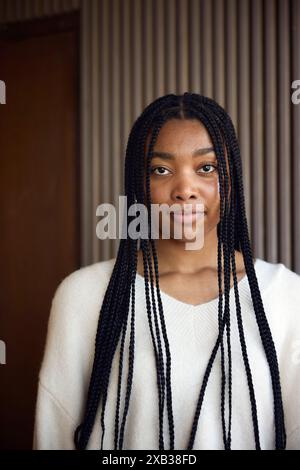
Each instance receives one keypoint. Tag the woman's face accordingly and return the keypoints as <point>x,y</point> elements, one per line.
<point>184,171</point>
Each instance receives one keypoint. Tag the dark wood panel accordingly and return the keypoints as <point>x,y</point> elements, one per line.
<point>39,204</point>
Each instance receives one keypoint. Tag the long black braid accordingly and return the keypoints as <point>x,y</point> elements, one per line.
<point>232,231</point>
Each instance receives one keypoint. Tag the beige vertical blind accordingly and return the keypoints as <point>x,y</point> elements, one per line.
<point>245,54</point>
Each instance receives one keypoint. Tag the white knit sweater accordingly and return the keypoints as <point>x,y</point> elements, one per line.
<point>192,331</point>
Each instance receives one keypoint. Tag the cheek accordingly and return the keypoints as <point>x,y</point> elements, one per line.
<point>211,193</point>
<point>158,192</point>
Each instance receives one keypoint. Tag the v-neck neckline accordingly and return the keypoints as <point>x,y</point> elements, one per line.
<point>242,286</point>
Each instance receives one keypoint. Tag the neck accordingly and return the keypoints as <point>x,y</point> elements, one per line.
<point>174,258</point>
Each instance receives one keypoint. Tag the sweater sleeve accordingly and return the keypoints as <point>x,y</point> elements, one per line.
<point>293,440</point>
<point>52,423</point>
<point>53,426</point>
<point>68,356</point>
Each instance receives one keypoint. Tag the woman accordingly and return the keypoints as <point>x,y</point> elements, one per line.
<point>209,359</point>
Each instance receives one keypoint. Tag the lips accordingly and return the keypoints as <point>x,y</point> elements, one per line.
<point>187,209</point>
<point>194,211</point>
<point>187,217</point>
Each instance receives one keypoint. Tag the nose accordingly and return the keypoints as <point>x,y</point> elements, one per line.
<point>185,196</point>
<point>185,190</point>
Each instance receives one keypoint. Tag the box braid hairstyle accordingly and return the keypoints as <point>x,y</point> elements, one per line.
<point>232,231</point>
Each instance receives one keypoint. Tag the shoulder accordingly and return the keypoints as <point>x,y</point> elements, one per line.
<point>85,283</point>
<point>87,275</point>
<point>77,302</point>
<point>280,291</point>
<point>277,276</point>
<point>76,306</point>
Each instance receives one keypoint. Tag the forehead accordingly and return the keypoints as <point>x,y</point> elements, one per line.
<point>183,135</point>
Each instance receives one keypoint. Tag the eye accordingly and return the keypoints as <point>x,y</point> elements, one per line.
<point>209,165</point>
<point>158,168</point>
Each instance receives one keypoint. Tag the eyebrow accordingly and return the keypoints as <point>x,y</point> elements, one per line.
<point>171,156</point>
